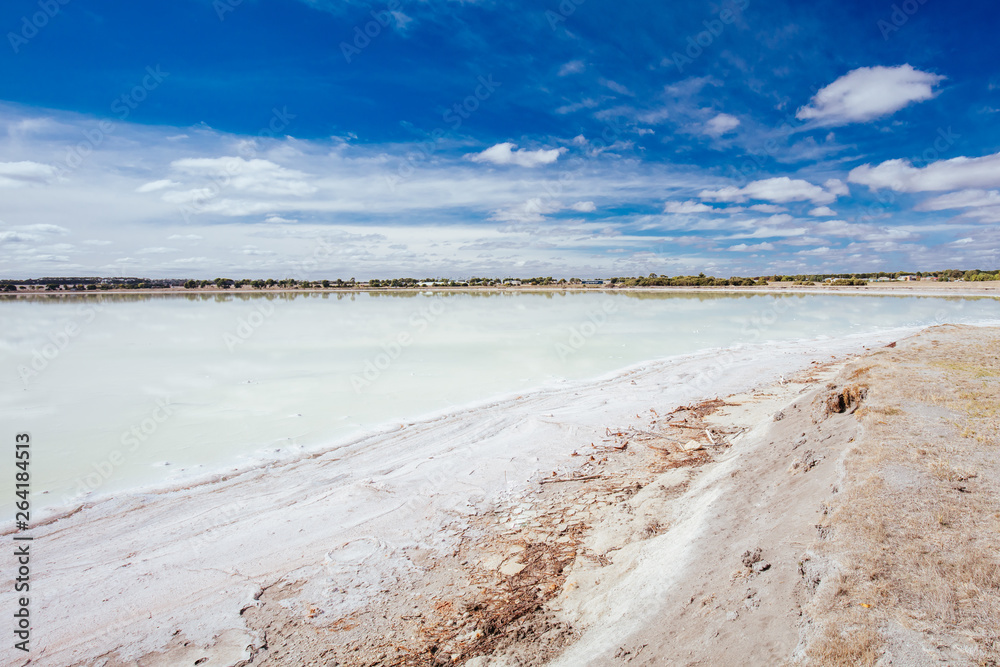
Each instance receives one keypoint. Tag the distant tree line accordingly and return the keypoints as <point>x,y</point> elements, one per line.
<point>652,280</point>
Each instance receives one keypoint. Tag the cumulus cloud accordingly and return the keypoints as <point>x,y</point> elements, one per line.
<point>689,206</point>
<point>836,186</point>
<point>767,208</point>
<point>954,174</point>
<point>184,237</point>
<point>721,124</point>
<point>584,206</point>
<point>743,247</point>
<point>868,93</point>
<point>822,211</point>
<point>505,153</point>
<point>781,190</point>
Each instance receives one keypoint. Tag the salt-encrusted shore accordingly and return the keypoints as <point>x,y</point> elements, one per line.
<point>281,564</point>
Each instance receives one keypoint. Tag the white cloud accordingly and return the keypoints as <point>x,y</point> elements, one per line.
<point>743,247</point>
<point>45,229</point>
<point>954,174</point>
<point>584,206</point>
<point>837,187</point>
<point>505,154</point>
<point>277,219</point>
<point>586,103</point>
<point>256,175</point>
<point>154,251</point>
<point>653,116</point>
<point>572,67</point>
<point>767,208</point>
<point>961,199</point>
<point>533,210</point>
<point>184,237</point>
<point>721,124</point>
<point>17,237</point>
<point>255,251</point>
<point>617,87</point>
<point>18,174</point>
<point>822,211</point>
<point>689,206</point>
<point>868,93</point>
<point>153,186</point>
<point>781,190</point>
<point>988,214</point>
<point>189,196</point>
<point>862,232</point>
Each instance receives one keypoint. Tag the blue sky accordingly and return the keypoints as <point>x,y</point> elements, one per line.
<point>311,138</point>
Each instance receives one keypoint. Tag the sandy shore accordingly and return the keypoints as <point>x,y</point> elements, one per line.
<point>633,519</point>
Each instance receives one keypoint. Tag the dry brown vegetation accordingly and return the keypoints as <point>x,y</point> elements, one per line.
<point>512,590</point>
<point>914,536</point>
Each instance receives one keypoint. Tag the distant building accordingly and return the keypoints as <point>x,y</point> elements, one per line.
<point>593,282</point>
<point>908,278</point>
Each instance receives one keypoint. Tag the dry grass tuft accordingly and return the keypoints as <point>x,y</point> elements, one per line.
<point>858,647</point>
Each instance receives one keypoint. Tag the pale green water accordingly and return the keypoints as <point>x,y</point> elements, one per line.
<point>245,378</point>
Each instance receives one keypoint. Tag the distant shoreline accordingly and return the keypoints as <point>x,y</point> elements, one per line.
<point>904,288</point>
